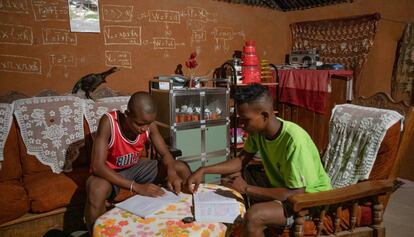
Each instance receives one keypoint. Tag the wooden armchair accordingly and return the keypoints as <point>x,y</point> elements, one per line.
<point>338,211</point>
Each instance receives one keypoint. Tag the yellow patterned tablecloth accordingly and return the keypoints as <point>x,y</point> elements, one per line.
<point>118,222</point>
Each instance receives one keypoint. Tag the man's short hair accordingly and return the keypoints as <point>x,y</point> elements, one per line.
<point>141,102</point>
<point>252,94</point>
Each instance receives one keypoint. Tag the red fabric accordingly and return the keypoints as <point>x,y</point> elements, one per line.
<point>307,88</point>
<point>366,216</point>
<point>123,153</point>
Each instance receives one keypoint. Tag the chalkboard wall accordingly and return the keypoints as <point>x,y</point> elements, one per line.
<point>143,38</point>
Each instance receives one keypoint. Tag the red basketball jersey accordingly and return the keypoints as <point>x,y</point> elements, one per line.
<point>122,152</point>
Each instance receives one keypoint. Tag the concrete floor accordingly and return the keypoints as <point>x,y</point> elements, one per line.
<point>399,215</point>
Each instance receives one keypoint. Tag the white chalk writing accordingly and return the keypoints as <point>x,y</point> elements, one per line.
<point>16,6</point>
<point>58,36</point>
<point>118,59</point>
<point>16,34</point>
<point>199,35</point>
<point>50,10</point>
<point>117,13</point>
<point>64,60</point>
<point>20,64</point>
<point>225,33</point>
<point>163,43</point>
<point>198,13</point>
<point>165,16</point>
<point>122,35</point>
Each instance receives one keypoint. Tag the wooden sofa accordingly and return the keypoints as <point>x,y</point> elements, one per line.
<point>35,200</point>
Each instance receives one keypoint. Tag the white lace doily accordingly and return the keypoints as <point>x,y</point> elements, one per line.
<point>95,110</point>
<point>52,129</point>
<point>6,118</point>
<point>355,136</point>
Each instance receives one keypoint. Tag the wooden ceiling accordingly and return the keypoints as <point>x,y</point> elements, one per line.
<point>288,5</point>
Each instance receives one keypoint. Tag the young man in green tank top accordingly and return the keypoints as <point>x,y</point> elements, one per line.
<point>290,159</point>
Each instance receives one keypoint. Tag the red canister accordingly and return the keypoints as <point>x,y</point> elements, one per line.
<point>251,74</point>
<point>249,56</point>
<point>250,60</point>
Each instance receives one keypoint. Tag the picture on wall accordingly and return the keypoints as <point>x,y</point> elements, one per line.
<point>84,15</point>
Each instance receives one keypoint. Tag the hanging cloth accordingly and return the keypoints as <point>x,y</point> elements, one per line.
<point>403,78</point>
<point>6,118</point>
<point>52,129</point>
<point>355,136</point>
<point>95,110</point>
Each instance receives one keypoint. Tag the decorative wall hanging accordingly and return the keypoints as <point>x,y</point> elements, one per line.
<point>52,129</point>
<point>403,76</point>
<point>345,40</point>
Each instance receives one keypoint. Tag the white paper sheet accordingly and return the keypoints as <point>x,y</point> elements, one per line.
<point>213,207</point>
<point>146,206</point>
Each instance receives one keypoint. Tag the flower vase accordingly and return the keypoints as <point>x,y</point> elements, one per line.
<point>194,82</point>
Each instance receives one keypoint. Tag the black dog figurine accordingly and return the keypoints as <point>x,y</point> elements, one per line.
<point>90,82</point>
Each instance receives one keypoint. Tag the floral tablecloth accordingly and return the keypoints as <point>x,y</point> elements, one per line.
<point>118,222</point>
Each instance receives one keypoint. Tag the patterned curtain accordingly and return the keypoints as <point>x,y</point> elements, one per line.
<point>403,78</point>
<point>346,40</point>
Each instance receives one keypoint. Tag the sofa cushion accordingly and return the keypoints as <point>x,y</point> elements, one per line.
<point>387,154</point>
<point>11,167</point>
<point>48,191</point>
<point>30,164</point>
<point>14,201</point>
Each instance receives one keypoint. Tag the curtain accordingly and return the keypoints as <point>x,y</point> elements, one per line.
<point>403,76</point>
<point>345,40</point>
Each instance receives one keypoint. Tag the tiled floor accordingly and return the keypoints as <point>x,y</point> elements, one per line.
<point>399,215</point>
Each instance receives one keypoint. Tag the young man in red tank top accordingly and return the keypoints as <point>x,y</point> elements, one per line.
<point>116,161</point>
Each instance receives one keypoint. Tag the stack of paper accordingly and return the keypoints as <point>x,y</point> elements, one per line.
<point>144,206</point>
<point>211,206</point>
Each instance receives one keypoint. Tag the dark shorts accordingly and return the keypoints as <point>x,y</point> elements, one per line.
<point>145,171</point>
<point>288,213</point>
<point>255,175</point>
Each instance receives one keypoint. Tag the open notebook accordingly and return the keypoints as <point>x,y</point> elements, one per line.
<point>214,206</point>
<point>144,206</point>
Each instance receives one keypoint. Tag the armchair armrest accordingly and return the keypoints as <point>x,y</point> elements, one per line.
<point>340,195</point>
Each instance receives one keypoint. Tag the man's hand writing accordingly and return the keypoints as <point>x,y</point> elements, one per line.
<point>150,190</point>
<point>174,183</point>
<point>194,180</point>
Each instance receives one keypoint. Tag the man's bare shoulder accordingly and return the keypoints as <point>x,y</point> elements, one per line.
<point>104,127</point>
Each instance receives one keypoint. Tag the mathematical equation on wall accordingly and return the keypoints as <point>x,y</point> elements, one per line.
<point>122,25</point>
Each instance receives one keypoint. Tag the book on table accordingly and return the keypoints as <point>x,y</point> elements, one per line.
<point>214,206</point>
<point>144,206</point>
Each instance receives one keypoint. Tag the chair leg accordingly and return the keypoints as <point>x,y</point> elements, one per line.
<point>299,225</point>
<point>378,208</point>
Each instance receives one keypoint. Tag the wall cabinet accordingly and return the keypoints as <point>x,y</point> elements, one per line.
<point>195,121</point>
